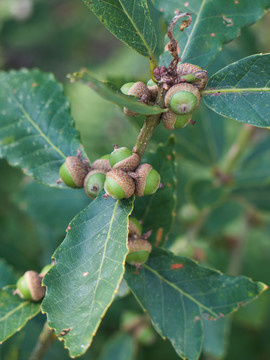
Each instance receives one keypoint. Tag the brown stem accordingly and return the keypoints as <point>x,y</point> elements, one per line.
<point>149,126</point>
<point>173,44</point>
<point>45,340</point>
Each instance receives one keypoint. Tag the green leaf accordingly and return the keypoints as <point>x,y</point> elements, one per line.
<point>204,193</point>
<point>7,276</point>
<point>178,293</point>
<point>88,271</point>
<point>120,347</point>
<point>157,211</point>
<point>36,129</point>
<point>14,312</point>
<point>114,95</point>
<point>213,24</point>
<point>129,21</point>
<point>216,334</point>
<point>256,195</point>
<point>241,91</point>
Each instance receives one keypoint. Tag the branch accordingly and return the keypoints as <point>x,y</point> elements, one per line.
<point>45,340</point>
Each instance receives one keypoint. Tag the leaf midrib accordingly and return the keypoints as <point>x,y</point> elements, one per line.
<point>27,116</point>
<point>234,90</point>
<point>13,311</point>
<point>138,31</point>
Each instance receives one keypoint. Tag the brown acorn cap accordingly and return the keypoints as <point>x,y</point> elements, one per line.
<point>128,164</point>
<point>129,112</point>
<point>34,280</point>
<point>77,169</point>
<point>138,89</point>
<point>168,119</point>
<point>101,164</point>
<point>142,172</point>
<point>186,69</point>
<point>124,180</point>
<point>139,245</point>
<point>182,87</point>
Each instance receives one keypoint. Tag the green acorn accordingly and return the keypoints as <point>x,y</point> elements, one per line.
<point>147,180</point>
<point>134,227</point>
<point>45,269</point>
<point>173,121</point>
<point>137,90</point>
<point>29,286</point>
<point>94,182</point>
<point>139,251</point>
<point>192,74</point>
<point>73,172</point>
<point>182,98</point>
<point>102,164</point>
<point>118,184</point>
<point>123,158</point>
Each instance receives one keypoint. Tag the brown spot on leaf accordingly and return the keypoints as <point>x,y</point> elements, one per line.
<point>159,236</point>
<point>177,266</point>
<point>64,332</point>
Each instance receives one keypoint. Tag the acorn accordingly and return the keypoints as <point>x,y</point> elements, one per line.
<point>45,269</point>
<point>94,183</point>
<point>73,171</point>
<point>139,90</point>
<point>147,180</point>
<point>153,88</point>
<point>118,184</point>
<point>134,227</point>
<point>123,158</point>
<point>29,286</point>
<point>182,98</point>
<point>102,164</point>
<point>139,250</point>
<point>173,121</point>
<point>192,74</point>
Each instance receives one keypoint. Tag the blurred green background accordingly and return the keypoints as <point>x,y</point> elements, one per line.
<point>62,36</point>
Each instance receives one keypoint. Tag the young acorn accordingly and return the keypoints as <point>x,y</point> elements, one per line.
<point>124,159</point>
<point>134,227</point>
<point>94,182</point>
<point>173,121</point>
<point>29,286</point>
<point>137,89</point>
<point>119,185</point>
<point>192,74</point>
<point>182,98</point>
<point>139,250</point>
<point>102,164</point>
<point>73,171</point>
<point>147,180</point>
<point>153,88</point>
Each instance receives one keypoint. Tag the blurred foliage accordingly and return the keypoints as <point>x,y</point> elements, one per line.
<point>61,36</point>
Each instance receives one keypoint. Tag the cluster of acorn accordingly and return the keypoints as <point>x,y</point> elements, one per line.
<point>181,99</point>
<point>119,173</point>
<point>29,286</point>
<point>139,248</point>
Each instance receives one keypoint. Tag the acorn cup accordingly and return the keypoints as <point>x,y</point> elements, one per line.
<point>94,182</point>
<point>134,227</point>
<point>192,74</point>
<point>147,180</point>
<point>73,171</point>
<point>119,185</point>
<point>124,159</point>
<point>102,164</point>
<point>29,286</point>
<point>137,89</point>
<point>182,99</point>
<point>139,251</point>
<point>173,121</point>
